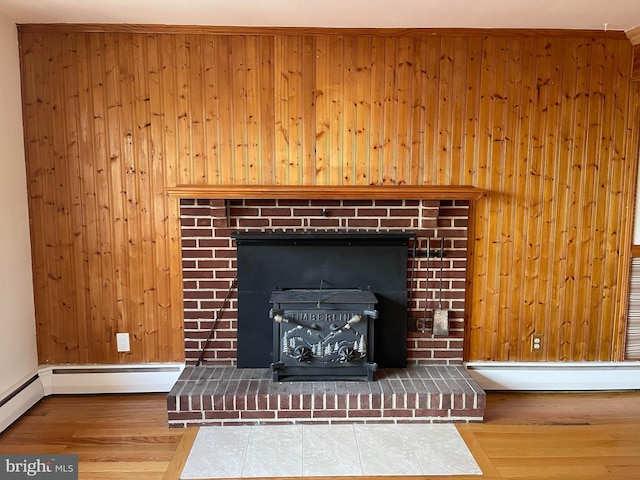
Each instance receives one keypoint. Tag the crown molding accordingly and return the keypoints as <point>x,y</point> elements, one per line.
<point>634,35</point>
<point>308,31</point>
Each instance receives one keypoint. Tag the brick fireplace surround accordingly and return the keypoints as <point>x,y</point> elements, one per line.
<point>434,387</point>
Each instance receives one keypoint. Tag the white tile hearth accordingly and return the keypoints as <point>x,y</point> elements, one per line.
<point>328,450</point>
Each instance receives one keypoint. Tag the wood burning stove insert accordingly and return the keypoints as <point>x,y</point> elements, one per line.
<point>335,277</point>
<point>323,333</point>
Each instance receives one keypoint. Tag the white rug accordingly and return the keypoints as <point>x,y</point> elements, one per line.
<point>328,450</point>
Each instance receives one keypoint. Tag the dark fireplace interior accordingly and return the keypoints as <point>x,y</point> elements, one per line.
<point>316,283</point>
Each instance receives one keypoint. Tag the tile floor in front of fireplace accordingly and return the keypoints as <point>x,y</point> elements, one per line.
<point>328,450</point>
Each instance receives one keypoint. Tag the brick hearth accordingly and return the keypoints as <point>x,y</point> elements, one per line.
<point>218,395</point>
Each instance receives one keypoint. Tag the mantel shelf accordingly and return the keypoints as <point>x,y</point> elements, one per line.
<point>354,192</point>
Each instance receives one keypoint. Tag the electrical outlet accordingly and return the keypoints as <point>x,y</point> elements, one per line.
<point>536,342</point>
<point>122,341</point>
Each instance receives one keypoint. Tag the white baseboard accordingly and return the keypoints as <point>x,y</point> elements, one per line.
<point>86,379</point>
<point>558,376</point>
<point>92,379</point>
<point>17,402</point>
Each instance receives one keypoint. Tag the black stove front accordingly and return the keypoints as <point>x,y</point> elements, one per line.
<point>323,334</point>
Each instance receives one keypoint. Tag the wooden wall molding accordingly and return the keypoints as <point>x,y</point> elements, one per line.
<point>359,192</point>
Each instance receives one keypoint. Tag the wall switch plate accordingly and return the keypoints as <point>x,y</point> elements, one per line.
<point>122,342</point>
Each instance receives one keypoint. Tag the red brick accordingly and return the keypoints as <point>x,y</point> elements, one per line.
<point>454,212</point>
<point>184,415</point>
<point>253,222</point>
<point>214,243</point>
<point>330,402</point>
<point>286,202</point>
<point>287,222</point>
<point>196,232</point>
<point>272,402</point>
<point>404,212</point>
<point>364,413</point>
<point>275,212</point>
<point>324,222</point>
<point>329,414</point>
<point>357,203</point>
<point>294,414</point>
<point>373,212</point>
<point>285,402</point>
<point>197,294</point>
<point>258,414</point>
<point>433,412</point>
<point>226,414</point>
<point>396,412</point>
<point>195,212</point>
<point>251,402</point>
<point>325,203</point>
<point>447,354</point>
<point>188,254</point>
<point>307,212</point>
<point>362,223</point>
<point>213,264</point>
<point>478,412</point>
<point>397,223</point>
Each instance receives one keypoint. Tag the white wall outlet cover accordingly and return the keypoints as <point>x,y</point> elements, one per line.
<point>122,341</point>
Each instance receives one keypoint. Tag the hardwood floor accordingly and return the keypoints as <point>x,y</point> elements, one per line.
<point>577,436</point>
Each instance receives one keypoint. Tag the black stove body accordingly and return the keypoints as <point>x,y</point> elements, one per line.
<point>321,334</point>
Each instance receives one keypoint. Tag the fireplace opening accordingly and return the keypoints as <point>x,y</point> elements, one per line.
<point>309,303</point>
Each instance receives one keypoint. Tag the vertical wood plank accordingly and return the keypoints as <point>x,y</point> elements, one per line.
<point>252,78</point>
<point>239,125</point>
<point>323,95</point>
<point>362,136</point>
<point>404,77</point>
<point>198,138</point>
<point>308,110</point>
<point>336,119</point>
<point>73,205</point>
<point>390,111</point>
<point>350,112</point>
<point>588,338</point>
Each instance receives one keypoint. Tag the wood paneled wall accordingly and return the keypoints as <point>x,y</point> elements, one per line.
<point>547,123</point>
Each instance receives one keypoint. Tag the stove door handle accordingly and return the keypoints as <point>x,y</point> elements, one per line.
<point>371,313</point>
<point>279,317</point>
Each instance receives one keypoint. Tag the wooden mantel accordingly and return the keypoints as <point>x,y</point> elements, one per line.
<point>359,192</point>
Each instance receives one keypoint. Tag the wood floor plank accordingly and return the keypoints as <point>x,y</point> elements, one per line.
<point>182,452</point>
<point>532,436</point>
